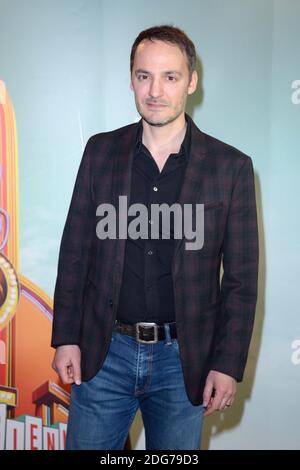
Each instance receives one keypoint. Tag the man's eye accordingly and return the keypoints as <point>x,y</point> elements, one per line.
<point>171,78</point>
<point>142,77</point>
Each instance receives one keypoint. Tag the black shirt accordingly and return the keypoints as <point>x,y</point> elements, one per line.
<point>147,289</point>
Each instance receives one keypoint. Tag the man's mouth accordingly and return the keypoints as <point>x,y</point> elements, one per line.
<point>156,105</point>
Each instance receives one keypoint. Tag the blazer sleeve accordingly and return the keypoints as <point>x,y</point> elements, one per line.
<point>239,281</point>
<point>74,258</point>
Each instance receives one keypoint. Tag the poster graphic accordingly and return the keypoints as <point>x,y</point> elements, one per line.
<point>33,405</point>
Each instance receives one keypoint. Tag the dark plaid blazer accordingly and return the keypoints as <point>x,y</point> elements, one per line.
<point>214,319</point>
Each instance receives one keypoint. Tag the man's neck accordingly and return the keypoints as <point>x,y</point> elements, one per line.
<point>166,139</point>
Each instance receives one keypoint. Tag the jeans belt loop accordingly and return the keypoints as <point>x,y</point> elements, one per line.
<point>167,333</point>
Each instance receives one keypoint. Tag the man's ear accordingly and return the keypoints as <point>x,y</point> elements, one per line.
<point>193,83</point>
<point>131,87</point>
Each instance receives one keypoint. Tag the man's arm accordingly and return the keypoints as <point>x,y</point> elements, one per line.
<point>238,293</point>
<point>74,256</point>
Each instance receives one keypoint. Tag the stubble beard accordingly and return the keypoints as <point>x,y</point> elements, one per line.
<point>162,122</point>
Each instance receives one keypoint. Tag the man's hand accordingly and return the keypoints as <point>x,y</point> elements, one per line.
<point>66,363</point>
<point>224,388</point>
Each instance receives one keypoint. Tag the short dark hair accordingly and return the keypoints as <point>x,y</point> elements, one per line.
<point>170,34</point>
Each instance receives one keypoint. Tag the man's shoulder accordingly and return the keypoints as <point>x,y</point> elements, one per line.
<point>221,154</point>
<point>113,135</point>
<point>225,151</point>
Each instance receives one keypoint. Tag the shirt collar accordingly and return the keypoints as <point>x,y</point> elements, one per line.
<point>185,146</point>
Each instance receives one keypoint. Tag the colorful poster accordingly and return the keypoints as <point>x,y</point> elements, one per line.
<point>33,406</point>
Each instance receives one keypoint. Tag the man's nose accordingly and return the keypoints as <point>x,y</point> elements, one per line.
<point>156,88</point>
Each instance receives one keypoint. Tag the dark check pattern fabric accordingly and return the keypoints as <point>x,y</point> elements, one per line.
<point>214,320</point>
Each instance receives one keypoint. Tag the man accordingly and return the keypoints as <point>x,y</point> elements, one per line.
<point>144,322</point>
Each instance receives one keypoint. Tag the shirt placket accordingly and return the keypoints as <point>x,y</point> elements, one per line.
<point>151,294</point>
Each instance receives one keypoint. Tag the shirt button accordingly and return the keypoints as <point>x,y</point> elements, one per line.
<point>155,188</point>
<point>111,302</point>
<point>150,222</point>
<point>149,252</point>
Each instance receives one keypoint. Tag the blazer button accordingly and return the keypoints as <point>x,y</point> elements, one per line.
<point>111,302</point>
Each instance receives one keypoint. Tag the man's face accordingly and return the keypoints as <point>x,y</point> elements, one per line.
<point>160,82</point>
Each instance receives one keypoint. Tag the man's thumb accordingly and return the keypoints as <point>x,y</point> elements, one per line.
<point>207,393</point>
<point>77,373</point>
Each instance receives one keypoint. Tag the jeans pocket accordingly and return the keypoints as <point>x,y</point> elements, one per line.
<point>173,345</point>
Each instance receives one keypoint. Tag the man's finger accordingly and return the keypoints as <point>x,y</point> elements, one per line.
<point>209,410</point>
<point>226,401</point>
<point>63,373</point>
<point>215,404</point>
<point>70,371</point>
<point>207,394</point>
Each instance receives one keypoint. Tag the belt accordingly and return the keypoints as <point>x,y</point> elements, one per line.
<point>145,332</point>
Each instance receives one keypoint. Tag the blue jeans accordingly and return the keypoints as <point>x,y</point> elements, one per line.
<point>135,375</point>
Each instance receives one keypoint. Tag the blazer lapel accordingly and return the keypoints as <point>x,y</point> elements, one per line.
<point>192,182</point>
<point>123,158</point>
<point>121,183</point>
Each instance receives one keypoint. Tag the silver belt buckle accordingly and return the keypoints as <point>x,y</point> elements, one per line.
<point>147,325</point>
